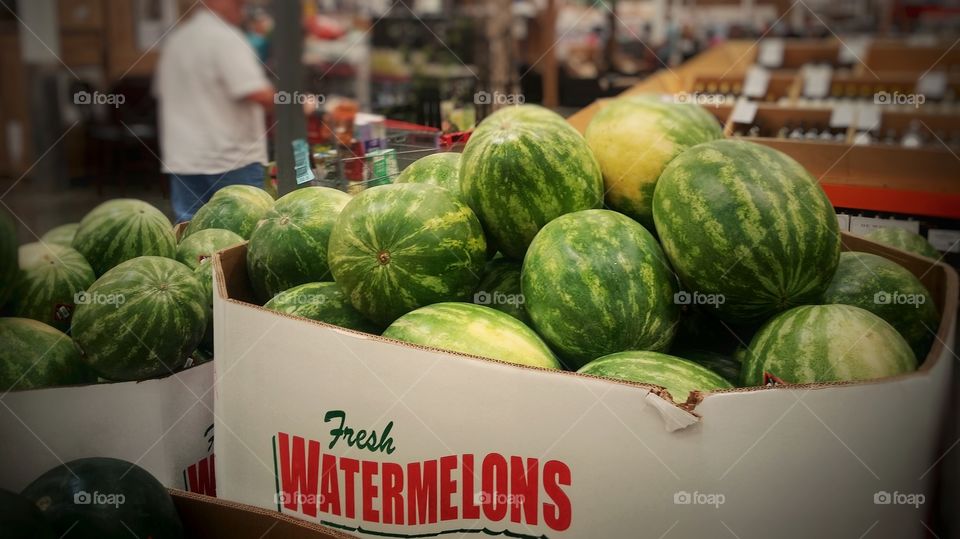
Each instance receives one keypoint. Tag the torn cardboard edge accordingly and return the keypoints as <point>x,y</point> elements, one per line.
<point>233,285</point>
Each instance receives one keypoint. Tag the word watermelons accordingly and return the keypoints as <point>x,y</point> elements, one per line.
<point>440,169</point>
<point>904,240</point>
<point>323,302</point>
<point>678,376</point>
<point>237,208</point>
<point>141,319</point>
<point>746,224</point>
<point>826,343</point>
<point>399,247</point>
<point>473,329</point>
<point>596,282</point>
<point>121,229</point>
<point>634,138</point>
<point>889,291</point>
<point>48,285</point>
<point>105,497</point>
<point>523,167</point>
<point>35,355</point>
<point>200,245</point>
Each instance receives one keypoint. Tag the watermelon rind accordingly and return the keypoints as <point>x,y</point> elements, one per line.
<point>440,169</point>
<point>595,282</point>
<point>476,330</point>
<point>289,246</point>
<point>678,376</point>
<point>399,247</point>
<point>634,138</point>
<point>747,225</point>
<point>237,208</point>
<point>323,302</point>
<point>35,355</point>
<point>141,319</point>
<point>889,291</point>
<point>904,240</point>
<point>121,229</point>
<point>201,245</point>
<point>523,167</point>
<point>826,343</point>
<point>61,235</point>
<point>48,284</point>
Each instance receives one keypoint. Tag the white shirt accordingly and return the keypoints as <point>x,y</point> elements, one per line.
<point>206,66</point>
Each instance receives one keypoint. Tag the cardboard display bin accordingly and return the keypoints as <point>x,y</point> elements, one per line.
<point>380,438</point>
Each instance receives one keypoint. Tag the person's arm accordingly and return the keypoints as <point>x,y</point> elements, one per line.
<point>265,97</point>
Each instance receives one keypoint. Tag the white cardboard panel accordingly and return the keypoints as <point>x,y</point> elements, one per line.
<point>162,425</point>
<point>772,457</point>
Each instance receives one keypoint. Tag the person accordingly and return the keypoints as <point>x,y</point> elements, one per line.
<point>213,96</point>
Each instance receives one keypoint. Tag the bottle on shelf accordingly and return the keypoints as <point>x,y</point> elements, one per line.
<point>754,131</point>
<point>812,133</point>
<point>784,131</point>
<point>796,133</point>
<point>913,138</point>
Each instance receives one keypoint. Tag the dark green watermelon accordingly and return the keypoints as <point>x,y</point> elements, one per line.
<point>101,498</point>
<point>8,256</point>
<point>34,355</point>
<point>21,519</point>
<point>500,289</point>
<point>323,302</point>
<point>722,364</point>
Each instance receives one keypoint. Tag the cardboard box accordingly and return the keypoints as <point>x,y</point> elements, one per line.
<point>204,517</point>
<point>163,425</point>
<point>377,437</point>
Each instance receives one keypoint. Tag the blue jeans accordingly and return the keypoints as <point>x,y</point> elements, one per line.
<point>190,191</point>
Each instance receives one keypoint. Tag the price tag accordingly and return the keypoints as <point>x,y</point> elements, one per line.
<point>853,50</point>
<point>842,115</point>
<point>932,85</point>
<point>301,161</point>
<point>744,112</point>
<point>816,81</point>
<point>770,53</point>
<point>756,82</point>
<point>868,117</point>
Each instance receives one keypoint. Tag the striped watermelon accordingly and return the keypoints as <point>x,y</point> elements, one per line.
<point>237,208</point>
<point>473,329</point>
<point>634,138</point>
<point>746,224</point>
<point>523,167</point>
<point>722,364</point>
<point>904,240</point>
<point>289,247</point>
<point>499,288</point>
<point>200,245</point>
<point>8,256</point>
<point>141,319</point>
<point>47,287</point>
<point>441,169</point>
<point>121,229</point>
<point>399,247</point>
<point>889,291</point>
<point>35,355</point>
<point>61,235</point>
<point>323,302</point>
<point>826,343</point>
<point>204,273</point>
<point>596,282</point>
<point>678,376</point>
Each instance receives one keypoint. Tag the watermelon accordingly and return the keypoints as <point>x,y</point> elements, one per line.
<point>889,291</point>
<point>237,208</point>
<point>105,498</point>
<point>35,355</point>
<point>904,240</point>
<point>440,169</point>
<point>121,229</point>
<point>289,247</point>
<point>8,256</point>
<point>141,319</point>
<point>476,330</point>
<point>523,167</point>
<point>61,235</point>
<point>204,273</point>
<point>826,343</point>
<point>21,519</point>
<point>31,254</point>
<point>746,225</point>
<point>499,289</point>
<point>199,246</point>
<point>47,286</point>
<point>323,302</point>
<point>678,376</point>
<point>699,329</point>
<point>634,138</point>
<point>722,364</point>
<point>595,282</point>
<point>399,247</point>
